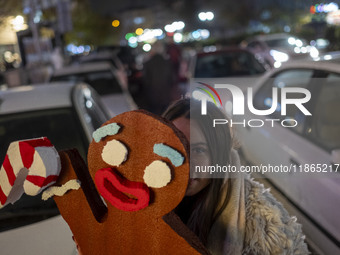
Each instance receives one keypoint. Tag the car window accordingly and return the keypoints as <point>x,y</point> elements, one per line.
<point>227,65</point>
<point>325,128</point>
<point>282,42</point>
<point>103,82</point>
<point>63,128</point>
<point>289,78</point>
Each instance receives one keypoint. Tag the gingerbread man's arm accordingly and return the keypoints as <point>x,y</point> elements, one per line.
<point>74,167</point>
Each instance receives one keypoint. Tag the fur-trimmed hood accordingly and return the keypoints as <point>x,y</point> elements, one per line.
<point>269,228</point>
<point>253,222</point>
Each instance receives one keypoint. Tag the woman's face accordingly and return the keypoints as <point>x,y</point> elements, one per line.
<point>199,153</point>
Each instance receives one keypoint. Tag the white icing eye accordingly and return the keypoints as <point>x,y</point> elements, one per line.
<point>157,174</point>
<point>114,153</point>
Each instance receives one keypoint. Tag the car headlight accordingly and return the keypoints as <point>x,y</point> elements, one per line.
<point>279,56</point>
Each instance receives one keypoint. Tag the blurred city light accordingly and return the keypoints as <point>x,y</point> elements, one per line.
<point>115,23</point>
<point>178,37</point>
<point>291,40</point>
<point>327,57</point>
<point>279,56</point>
<point>324,8</point>
<point>18,23</point>
<point>146,47</point>
<point>37,16</point>
<point>303,50</point>
<point>321,43</point>
<point>297,50</point>
<point>157,32</point>
<point>88,104</point>
<point>149,35</point>
<point>133,45</point>
<point>139,31</point>
<point>211,48</point>
<point>179,25</point>
<point>169,28</point>
<point>206,16</point>
<point>128,35</point>
<point>196,34</point>
<point>81,49</point>
<point>314,53</point>
<point>298,43</point>
<point>202,16</point>
<point>333,18</point>
<point>138,20</point>
<point>132,40</point>
<point>286,29</point>
<point>19,20</point>
<point>8,56</point>
<point>175,26</point>
<point>210,16</point>
<point>87,48</point>
<point>199,34</point>
<point>205,34</point>
<point>277,64</point>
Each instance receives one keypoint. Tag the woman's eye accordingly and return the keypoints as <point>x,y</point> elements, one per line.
<point>199,150</point>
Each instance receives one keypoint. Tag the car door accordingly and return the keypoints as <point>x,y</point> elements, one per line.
<point>261,143</point>
<point>302,147</point>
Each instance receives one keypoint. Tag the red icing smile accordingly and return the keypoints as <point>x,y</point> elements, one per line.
<point>114,188</point>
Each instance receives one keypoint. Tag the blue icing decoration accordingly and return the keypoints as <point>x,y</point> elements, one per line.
<point>110,129</point>
<point>166,151</point>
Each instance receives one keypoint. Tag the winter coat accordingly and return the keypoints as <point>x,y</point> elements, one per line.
<point>254,222</point>
<point>264,227</point>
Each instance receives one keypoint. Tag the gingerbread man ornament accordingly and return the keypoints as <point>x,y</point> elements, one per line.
<point>138,171</point>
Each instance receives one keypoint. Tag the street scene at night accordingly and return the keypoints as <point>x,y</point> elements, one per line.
<point>169,127</point>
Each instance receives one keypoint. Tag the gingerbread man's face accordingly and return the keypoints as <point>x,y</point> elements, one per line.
<point>137,162</point>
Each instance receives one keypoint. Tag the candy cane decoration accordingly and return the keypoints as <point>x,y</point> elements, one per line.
<point>29,166</point>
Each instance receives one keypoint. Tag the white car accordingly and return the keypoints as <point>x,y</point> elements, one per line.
<point>311,145</point>
<point>107,56</point>
<point>231,65</point>
<point>67,113</point>
<point>226,63</point>
<point>276,49</point>
<point>104,78</point>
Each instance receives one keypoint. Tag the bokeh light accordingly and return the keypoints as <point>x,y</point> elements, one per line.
<point>178,37</point>
<point>115,23</point>
<point>139,31</point>
<point>146,47</point>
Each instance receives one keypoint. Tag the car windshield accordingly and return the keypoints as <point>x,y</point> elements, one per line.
<point>103,82</point>
<point>227,65</point>
<point>282,42</point>
<point>64,130</point>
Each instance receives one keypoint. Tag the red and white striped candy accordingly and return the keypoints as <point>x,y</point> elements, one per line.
<point>29,166</point>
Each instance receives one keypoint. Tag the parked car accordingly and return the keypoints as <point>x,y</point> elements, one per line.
<point>229,62</point>
<point>228,66</point>
<point>102,76</point>
<point>107,56</point>
<point>66,113</point>
<point>123,58</point>
<point>276,49</point>
<point>314,196</point>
